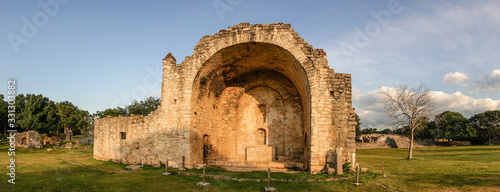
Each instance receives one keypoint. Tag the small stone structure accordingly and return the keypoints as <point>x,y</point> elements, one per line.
<point>87,140</point>
<point>383,141</point>
<point>51,140</point>
<point>250,97</point>
<point>28,139</point>
<point>70,145</point>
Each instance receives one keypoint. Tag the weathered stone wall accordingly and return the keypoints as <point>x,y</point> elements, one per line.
<point>28,139</point>
<point>146,140</point>
<point>245,85</point>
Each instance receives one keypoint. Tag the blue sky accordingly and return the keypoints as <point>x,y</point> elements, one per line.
<point>103,54</point>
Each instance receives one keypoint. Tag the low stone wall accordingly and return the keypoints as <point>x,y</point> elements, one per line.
<point>370,141</point>
<point>371,145</point>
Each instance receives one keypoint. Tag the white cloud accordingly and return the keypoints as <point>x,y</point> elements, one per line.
<point>464,104</point>
<point>489,82</point>
<point>355,93</point>
<point>370,105</point>
<point>422,43</point>
<point>155,93</point>
<point>455,78</point>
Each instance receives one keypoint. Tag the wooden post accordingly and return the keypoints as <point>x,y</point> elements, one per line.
<point>183,166</point>
<point>383,168</point>
<point>357,174</point>
<point>383,172</point>
<point>203,184</point>
<point>269,188</point>
<point>268,177</point>
<point>166,169</point>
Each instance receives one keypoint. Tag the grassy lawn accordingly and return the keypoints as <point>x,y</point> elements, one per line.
<point>474,168</point>
<point>465,168</point>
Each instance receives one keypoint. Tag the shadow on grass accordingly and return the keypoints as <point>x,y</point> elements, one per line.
<point>214,170</point>
<point>454,180</point>
<point>459,148</point>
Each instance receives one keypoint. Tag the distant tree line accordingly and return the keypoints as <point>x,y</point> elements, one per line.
<point>39,113</point>
<point>144,107</point>
<point>451,126</point>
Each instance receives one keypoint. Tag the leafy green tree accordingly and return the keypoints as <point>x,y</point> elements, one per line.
<point>3,114</point>
<point>429,131</point>
<point>37,113</point>
<point>369,131</point>
<point>358,125</point>
<point>487,124</point>
<point>72,118</point>
<point>405,131</point>
<point>385,131</point>
<point>426,130</point>
<point>114,112</point>
<point>144,107</point>
<point>454,125</point>
<point>19,106</point>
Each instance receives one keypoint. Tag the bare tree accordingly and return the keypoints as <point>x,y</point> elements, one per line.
<point>408,107</point>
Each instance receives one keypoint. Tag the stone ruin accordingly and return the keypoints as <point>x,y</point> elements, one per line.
<point>376,140</point>
<point>54,140</point>
<point>28,139</point>
<point>250,97</point>
<point>32,139</point>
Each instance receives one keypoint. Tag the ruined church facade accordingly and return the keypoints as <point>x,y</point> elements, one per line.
<point>250,97</point>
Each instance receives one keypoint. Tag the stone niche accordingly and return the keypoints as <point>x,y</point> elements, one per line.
<point>250,97</point>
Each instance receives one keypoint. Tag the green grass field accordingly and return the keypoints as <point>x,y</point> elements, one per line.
<point>466,168</point>
<point>475,168</point>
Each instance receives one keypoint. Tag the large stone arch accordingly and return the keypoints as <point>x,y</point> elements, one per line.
<point>246,66</point>
<point>307,63</point>
<point>329,115</point>
<point>303,65</point>
<point>310,61</point>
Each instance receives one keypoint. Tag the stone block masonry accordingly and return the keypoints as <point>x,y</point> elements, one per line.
<point>28,139</point>
<point>249,96</point>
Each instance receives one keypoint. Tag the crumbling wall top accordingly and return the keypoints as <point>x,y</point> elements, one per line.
<point>276,33</point>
